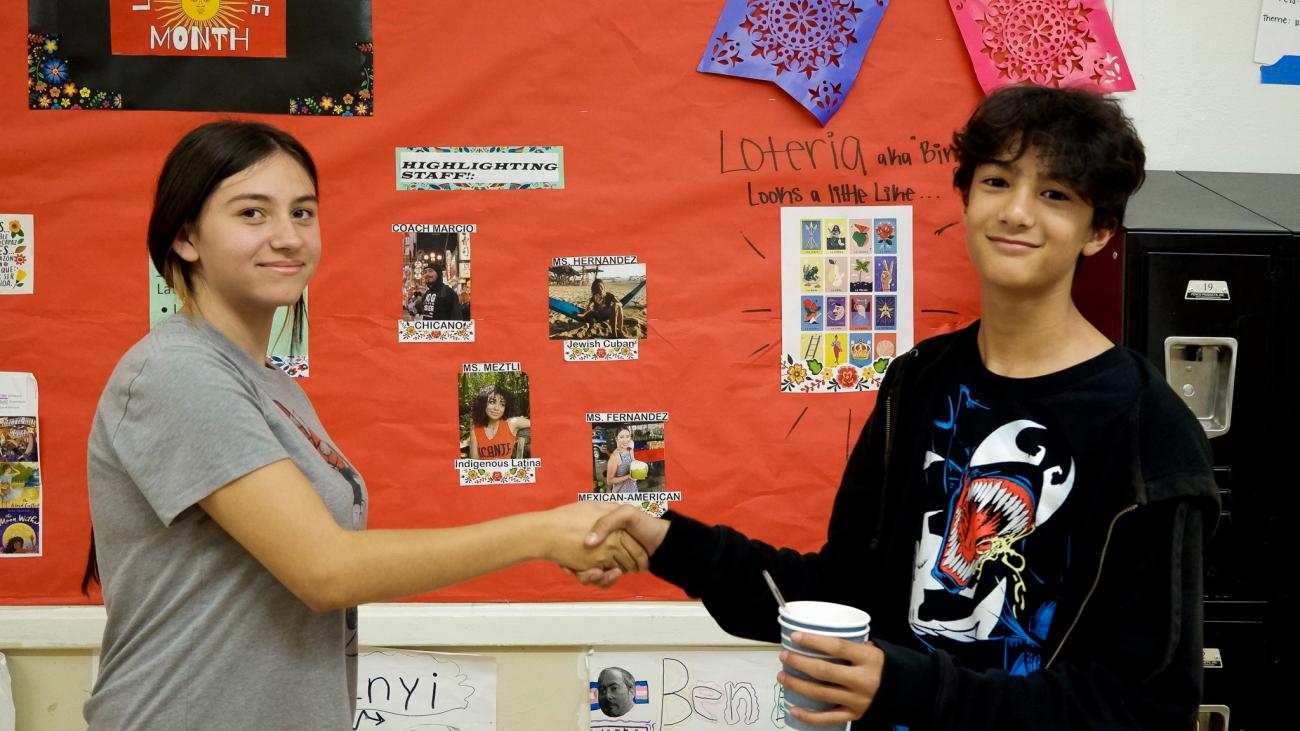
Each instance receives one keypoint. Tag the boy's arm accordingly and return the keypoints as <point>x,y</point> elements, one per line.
<point>1133,660</point>
<point>722,567</point>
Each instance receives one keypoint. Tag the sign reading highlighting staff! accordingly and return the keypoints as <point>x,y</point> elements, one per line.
<point>479,168</point>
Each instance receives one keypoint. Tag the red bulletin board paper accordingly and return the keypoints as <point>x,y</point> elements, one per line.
<point>249,28</point>
<point>652,167</point>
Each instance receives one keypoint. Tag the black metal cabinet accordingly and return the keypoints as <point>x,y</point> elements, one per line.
<point>1215,256</point>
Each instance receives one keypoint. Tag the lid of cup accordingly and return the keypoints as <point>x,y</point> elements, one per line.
<point>825,614</point>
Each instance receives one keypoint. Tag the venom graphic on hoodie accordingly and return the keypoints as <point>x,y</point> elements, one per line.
<point>988,565</point>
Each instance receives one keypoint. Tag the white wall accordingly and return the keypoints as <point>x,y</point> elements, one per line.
<point>1199,104</point>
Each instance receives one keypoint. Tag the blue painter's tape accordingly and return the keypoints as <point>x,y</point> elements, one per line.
<point>1285,71</point>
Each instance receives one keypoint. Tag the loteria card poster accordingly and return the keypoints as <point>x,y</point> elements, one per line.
<point>846,296</point>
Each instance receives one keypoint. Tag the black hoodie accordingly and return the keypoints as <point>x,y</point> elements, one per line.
<point>1124,649</point>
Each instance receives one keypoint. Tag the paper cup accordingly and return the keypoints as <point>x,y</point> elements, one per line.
<point>819,618</point>
<point>824,616</point>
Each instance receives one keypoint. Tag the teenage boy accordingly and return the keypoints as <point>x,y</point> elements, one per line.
<point>1024,513</point>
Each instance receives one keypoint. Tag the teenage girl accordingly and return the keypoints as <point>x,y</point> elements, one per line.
<point>229,528</point>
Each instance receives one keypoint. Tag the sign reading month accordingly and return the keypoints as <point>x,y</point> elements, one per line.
<point>245,28</point>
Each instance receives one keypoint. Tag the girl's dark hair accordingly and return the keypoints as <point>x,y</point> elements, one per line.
<point>478,412</point>
<point>1085,139</point>
<point>596,283</point>
<point>611,436</point>
<point>194,168</point>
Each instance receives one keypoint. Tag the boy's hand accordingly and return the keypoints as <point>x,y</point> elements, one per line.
<point>570,544</point>
<point>850,687</point>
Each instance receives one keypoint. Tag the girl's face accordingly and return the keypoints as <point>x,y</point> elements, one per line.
<point>624,439</point>
<point>256,241</point>
<point>495,407</point>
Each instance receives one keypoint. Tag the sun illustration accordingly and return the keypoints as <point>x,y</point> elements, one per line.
<point>200,13</point>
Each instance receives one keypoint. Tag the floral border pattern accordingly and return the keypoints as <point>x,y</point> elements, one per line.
<point>409,332</point>
<point>811,376</point>
<point>49,80</point>
<point>294,366</point>
<point>360,103</point>
<point>497,475</point>
<point>584,350</point>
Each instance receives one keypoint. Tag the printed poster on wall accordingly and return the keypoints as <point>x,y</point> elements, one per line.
<point>685,691</point>
<point>264,56</point>
<point>281,352</point>
<point>436,269</point>
<point>629,456</point>
<point>597,306</point>
<point>846,296</point>
<point>495,418</point>
<point>20,467</point>
<point>17,253</point>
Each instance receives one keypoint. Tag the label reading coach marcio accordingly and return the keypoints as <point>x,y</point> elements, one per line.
<point>243,28</point>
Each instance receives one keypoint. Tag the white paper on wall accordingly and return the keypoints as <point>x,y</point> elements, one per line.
<point>686,691</point>
<point>404,690</point>
<point>1279,31</point>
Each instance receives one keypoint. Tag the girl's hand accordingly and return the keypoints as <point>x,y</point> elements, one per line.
<point>851,688</point>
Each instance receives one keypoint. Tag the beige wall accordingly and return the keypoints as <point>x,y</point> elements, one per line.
<point>49,687</point>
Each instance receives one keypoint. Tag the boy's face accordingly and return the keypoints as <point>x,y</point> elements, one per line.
<point>1024,229</point>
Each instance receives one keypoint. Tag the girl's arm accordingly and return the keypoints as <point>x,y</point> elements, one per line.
<point>518,422</point>
<point>276,515</point>
<point>611,466</point>
<point>473,443</point>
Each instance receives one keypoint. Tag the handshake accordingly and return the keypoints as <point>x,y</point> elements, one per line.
<point>597,542</point>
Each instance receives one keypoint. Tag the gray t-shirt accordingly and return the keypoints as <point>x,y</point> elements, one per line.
<point>199,634</point>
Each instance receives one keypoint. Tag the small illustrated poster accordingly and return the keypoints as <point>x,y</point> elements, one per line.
<point>20,467</point>
<point>480,168</point>
<point>17,253</point>
<point>846,296</point>
<point>597,306</point>
<point>496,435</point>
<point>282,351</point>
<point>628,456</point>
<point>405,690</point>
<point>685,691</point>
<point>436,270</point>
